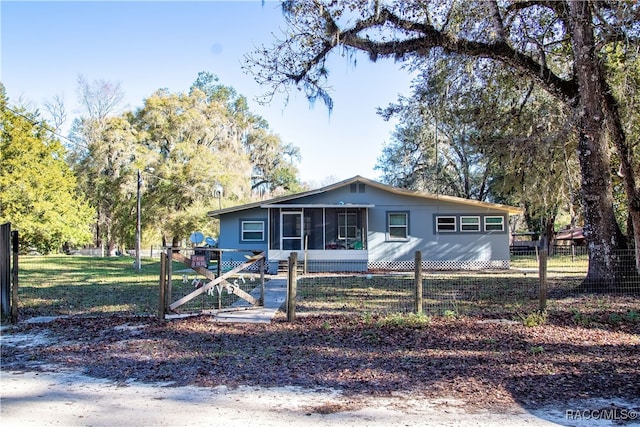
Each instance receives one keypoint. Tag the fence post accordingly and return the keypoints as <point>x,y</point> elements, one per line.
<point>169,285</point>
<point>542,273</point>
<point>14,279</point>
<point>418,282</point>
<point>163,284</point>
<point>5,270</point>
<point>261,266</point>
<point>291,286</point>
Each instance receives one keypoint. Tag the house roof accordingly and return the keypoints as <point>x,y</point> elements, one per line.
<point>359,179</point>
<point>576,233</point>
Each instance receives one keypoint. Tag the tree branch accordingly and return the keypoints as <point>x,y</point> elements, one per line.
<point>303,65</point>
<point>498,24</point>
<point>431,38</point>
<point>558,7</point>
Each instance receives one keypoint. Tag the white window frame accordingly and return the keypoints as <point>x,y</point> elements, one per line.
<point>438,225</point>
<point>488,226</point>
<point>475,225</point>
<point>405,227</point>
<point>347,225</point>
<point>243,231</point>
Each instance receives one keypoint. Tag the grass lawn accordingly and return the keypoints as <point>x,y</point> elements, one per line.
<point>449,293</point>
<point>61,284</point>
<point>76,285</point>
<point>443,294</point>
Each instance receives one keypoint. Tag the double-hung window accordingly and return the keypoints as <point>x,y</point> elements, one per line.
<point>398,228</point>
<point>347,225</point>
<point>252,231</point>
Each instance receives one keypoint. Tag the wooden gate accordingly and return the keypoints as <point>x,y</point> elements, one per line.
<point>221,280</point>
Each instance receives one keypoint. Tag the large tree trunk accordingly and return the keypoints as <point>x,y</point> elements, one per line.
<point>626,171</point>
<point>608,262</point>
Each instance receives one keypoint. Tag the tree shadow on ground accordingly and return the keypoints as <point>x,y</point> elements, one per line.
<point>487,364</point>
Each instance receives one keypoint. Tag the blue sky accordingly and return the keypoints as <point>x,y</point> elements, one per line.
<point>150,45</point>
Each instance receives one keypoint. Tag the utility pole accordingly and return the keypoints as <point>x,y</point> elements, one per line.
<point>138,265</point>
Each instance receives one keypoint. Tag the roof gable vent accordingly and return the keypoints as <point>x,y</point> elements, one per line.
<point>357,187</point>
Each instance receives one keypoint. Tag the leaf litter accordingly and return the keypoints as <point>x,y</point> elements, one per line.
<point>488,365</point>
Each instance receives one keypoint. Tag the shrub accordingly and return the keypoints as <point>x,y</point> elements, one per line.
<point>536,318</point>
<point>413,320</point>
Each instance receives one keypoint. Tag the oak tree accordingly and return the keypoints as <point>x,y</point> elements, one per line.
<point>558,45</point>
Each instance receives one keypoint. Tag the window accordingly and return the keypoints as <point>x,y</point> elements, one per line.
<point>445,224</point>
<point>493,223</point>
<point>347,225</point>
<point>398,225</point>
<point>469,223</point>
<point>252,231</point>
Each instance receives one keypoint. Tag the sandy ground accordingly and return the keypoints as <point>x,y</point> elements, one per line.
<point>71,399</point>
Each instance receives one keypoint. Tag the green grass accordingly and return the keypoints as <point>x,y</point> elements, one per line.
<point>558,264</point>
<point>60,284</point>
<point>76,285</point>
<point>448,293</point>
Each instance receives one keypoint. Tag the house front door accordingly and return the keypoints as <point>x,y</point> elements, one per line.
<point>291,234</point>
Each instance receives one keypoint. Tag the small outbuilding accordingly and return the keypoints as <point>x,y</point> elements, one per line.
<point>571,236</point>
<point>361,225</point>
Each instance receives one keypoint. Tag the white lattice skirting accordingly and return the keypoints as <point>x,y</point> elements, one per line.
<point>441,265</point>
<point>341,266</point>
<point>230,265</point>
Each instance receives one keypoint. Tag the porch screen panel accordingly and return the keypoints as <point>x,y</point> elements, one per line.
<point>345,228</point>
<point>292,231</point>
<point>331,229</point>
<point>362,221</point>
<point>314,227</point>
<point>274,228</point>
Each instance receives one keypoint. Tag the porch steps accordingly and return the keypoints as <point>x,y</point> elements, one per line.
<point>283,266</point>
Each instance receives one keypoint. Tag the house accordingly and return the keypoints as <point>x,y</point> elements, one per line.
<point>359,225</point>
<point>571,236</point>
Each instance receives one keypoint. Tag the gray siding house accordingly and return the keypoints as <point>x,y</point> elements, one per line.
<point>359,225</point>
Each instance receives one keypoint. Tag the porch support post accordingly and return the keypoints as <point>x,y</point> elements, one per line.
<point>169,283</point>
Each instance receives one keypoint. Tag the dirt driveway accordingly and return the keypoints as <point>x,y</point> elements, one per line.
<point>70,399</point>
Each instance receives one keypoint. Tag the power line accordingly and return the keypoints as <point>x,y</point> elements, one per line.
<point>47,128</point>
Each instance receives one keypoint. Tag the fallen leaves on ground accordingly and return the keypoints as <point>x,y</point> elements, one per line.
<point>485,362</point>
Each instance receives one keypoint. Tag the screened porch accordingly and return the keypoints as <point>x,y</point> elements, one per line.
<point>324,228</point>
